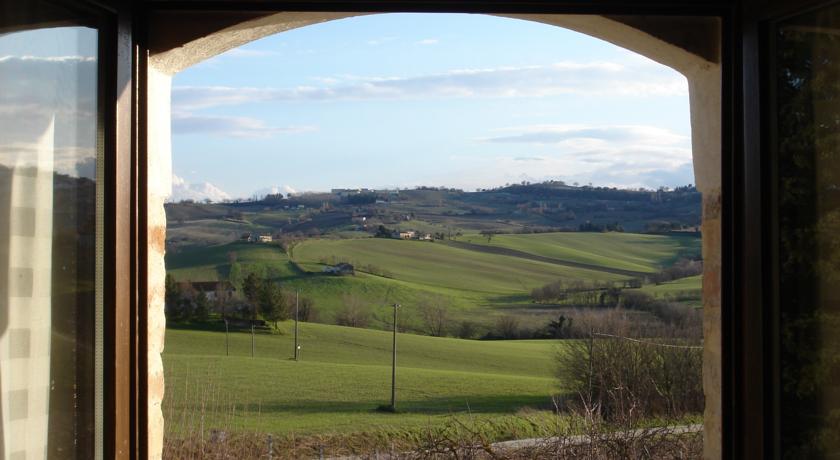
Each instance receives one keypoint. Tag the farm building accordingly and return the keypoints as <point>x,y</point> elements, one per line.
<point>215,290</point>
<point>407,235</point>
<point>265,239</point>
<point>340,269</point>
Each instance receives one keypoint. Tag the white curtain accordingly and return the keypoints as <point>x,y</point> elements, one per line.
<point>25,341</point>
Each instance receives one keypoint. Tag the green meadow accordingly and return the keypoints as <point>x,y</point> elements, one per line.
<point>344,374</point>
<point>436,265</point>
<point>686,290</point>
<point>626,251</point>
<point>475,285</point>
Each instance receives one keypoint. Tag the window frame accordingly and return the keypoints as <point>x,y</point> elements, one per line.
<point>738,391</point>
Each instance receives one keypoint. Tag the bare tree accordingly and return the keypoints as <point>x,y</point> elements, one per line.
<point>507,327</point>
<point>434,311</point>
<point>354,311</point>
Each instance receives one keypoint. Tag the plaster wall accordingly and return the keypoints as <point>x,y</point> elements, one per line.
<point>704,79</point>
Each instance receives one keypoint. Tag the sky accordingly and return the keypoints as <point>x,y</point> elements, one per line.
<point>403,100</point>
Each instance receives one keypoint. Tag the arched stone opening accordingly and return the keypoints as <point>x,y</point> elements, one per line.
<point>688,45</point>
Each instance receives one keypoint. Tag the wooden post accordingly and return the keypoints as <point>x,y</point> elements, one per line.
<point>227,338</point>
<point>297,304</point>
<point>252,339</point>
<point>394,363</point>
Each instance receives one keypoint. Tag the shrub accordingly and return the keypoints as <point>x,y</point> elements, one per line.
<point>626,377</point>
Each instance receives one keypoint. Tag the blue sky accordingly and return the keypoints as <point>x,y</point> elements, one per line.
<point>400,100</point>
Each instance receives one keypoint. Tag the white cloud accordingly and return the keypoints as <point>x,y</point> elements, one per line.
<point>589,136</point>
<point>41,90</point>
<point>273,190</point>
<point>429,41</point>
<point>609,155</point>
<point>588,78</point>
<point>183,190</point>
<point>185,123</point>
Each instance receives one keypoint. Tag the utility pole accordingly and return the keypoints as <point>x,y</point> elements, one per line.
<point>297,305</point>
<point>394,364</point>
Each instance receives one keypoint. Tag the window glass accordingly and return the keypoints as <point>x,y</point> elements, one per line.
<point>807,140</point>
<point>48,235</point>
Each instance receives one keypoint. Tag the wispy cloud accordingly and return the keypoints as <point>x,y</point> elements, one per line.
<point>610,155</point>
<point>229,126</point>
<point>428,41</point>
<point>585,134</point>
<point>589,78</point>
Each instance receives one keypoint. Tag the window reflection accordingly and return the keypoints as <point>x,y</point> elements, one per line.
<point>48,140</point>
<point>807,84</point>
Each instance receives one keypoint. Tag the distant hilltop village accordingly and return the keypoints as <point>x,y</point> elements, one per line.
<point>342,192</point>
<point>435,213</point>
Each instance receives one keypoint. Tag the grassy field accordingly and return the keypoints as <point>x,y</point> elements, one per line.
<point>344,375</point>
<point>435,266</point>
<point>211,263</point>
<point>472,283</point>
<point>628,251</point>
<point>686,290</point>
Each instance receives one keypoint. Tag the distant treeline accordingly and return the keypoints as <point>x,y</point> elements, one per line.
<point>602,294</point>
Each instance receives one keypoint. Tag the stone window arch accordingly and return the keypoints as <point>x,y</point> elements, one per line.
<point>689,45</point>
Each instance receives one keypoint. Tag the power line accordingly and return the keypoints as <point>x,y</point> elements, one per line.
<point>667,345</point>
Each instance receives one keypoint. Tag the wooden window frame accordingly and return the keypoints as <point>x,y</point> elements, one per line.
<point>745,362</point>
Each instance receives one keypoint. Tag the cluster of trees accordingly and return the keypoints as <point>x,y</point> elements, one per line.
<point>596,227</point>
<point>268,300</point>
<point>664,227</point>
<point>185,303</point>
<point>260,298</point>
<point>361,198</point>
<point>383,232</point>
<point>683,268</point>
<point>579,293</point>
<point>632,312</point>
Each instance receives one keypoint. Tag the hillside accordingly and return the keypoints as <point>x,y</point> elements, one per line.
<point>626,251</point>
<point>352,367</point>
<point>520,208</point>
<point>435,266</point>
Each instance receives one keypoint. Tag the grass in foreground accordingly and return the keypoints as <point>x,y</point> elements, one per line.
<point>343,376</point>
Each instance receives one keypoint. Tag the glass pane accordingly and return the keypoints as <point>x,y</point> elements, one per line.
<point>807,91</point>
<point>48,237</point>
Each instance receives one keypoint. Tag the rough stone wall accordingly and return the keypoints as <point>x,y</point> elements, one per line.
<point>160,186</point>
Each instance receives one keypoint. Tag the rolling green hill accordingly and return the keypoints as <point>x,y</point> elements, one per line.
<point>344,374</point>
<point>435,265</point>
<point>628,251</point>
<point>471,281</point>
<point>211,263</point>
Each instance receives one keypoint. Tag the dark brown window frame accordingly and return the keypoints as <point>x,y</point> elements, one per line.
<point>747,390</point>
